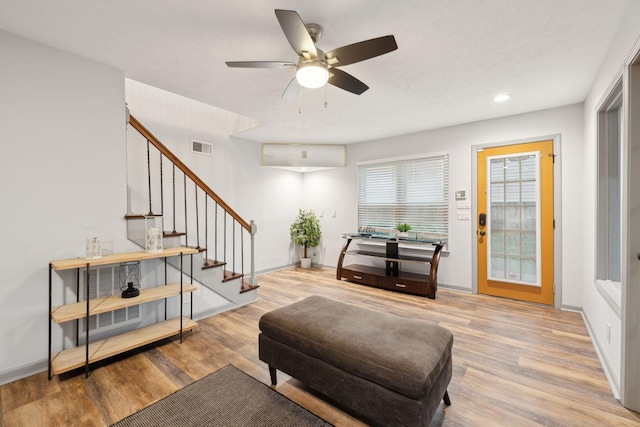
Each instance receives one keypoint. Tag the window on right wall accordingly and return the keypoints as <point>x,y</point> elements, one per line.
<point>408,190</point>
<point>609,197</point>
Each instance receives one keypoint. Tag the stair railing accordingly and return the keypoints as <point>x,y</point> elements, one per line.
<point>228,244</point>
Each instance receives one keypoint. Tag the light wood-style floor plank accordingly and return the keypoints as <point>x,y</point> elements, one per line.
<point>514,363</point>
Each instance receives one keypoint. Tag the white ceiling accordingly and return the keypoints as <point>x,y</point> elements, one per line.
<point>453,56</point>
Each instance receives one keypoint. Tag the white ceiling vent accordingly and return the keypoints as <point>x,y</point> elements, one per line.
<point>201,147</point>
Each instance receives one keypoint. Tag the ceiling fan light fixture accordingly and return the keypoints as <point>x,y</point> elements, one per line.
<point>312,74</point>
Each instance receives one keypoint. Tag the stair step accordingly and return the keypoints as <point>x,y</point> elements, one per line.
<point>140,216</point>
<point>212,263</point>
<point>173,234</point>
<point>230,275</point>
<point>246,287</point>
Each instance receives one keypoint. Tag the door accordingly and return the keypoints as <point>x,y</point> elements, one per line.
<point>515,221</point>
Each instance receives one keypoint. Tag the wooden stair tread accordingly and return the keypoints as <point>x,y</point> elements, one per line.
<point>141,216</point>
<point>173,234</point>
<point>114,302</point>
<point>74,358</point>
<point>67,264</point>
<point>212,263</point>
<point>230,275</point>
<point>246,287</point>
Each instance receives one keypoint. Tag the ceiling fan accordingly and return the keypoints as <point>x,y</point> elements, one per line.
<point>314,67</point>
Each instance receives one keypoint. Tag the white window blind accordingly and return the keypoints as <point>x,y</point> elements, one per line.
<point>413,191</point>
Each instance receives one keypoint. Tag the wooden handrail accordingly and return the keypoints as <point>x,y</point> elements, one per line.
<point>188,172</point>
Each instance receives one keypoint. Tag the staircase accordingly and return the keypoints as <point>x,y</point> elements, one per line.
<point>193,215</point>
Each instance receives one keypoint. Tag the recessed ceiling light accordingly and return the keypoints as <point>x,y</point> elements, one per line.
<point>502,97</point>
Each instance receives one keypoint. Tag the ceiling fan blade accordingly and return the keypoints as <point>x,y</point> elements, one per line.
<point>360,51</point>
<point>293,89</point>
<point>260,64</point>
<point>296,32</point>
<point>346,81</point>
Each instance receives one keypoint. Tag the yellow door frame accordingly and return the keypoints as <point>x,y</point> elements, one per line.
<point>550,247</point>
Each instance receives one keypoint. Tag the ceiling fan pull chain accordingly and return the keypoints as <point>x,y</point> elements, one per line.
<point>325,96</point>
<point>300,100</point>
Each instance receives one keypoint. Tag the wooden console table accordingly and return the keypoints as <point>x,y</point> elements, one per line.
<point>391,277</point>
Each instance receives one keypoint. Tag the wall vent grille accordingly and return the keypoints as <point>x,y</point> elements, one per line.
<point>104,282</point>
<point>202,147</point>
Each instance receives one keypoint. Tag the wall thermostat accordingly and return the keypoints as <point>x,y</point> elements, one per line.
<point>461,194</point>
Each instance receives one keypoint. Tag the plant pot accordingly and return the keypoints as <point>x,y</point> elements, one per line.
<point>305,262</point>
<point>403,234</point>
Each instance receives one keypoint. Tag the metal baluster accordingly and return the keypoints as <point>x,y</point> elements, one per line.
<point>149,176</point>
<point>215,236</point>
<point>161,192</point>
<point>224,243</point>
<point>233,247</point>
<point>174,198</point>
<point>197,218</point>
<point>186,234</point>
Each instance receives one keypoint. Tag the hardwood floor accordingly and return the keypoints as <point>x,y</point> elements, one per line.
<point>514,364</point>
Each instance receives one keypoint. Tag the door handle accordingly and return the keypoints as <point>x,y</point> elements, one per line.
<point>482,232</point>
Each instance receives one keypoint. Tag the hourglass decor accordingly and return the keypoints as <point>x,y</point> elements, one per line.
<point>130,279</point>
<point>154,234</point>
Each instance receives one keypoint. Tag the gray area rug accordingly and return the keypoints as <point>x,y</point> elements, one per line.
<point>227,397</point>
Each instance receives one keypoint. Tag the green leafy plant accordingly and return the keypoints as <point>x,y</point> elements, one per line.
<point>403,228</point>
<point>305,230</point>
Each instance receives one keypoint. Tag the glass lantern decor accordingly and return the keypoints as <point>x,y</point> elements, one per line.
<point>130,279</point>
<point>93,243</point>
<point>154,234</point>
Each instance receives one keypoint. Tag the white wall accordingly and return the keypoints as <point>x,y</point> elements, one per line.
<point>62,127</point>
<point>336,189</point>
<point>597,312</point>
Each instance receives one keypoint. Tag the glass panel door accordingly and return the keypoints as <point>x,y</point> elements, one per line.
<point>514,219</point>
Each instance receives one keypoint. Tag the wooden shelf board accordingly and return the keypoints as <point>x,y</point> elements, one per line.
<point>66,264</point>
<point>381,272</point>
<point>78,310</point>
<point>68,360</point>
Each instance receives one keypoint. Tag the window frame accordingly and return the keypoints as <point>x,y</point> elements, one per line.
<point>609,196</point>
<point>398,200</point>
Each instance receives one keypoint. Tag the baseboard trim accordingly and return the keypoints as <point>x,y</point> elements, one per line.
<point>271,270</point>
<point>614,383</point>
<point>23,371</point>
<point>454,288</point>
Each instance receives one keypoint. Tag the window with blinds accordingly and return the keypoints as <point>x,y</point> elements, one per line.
<point>413,191</point>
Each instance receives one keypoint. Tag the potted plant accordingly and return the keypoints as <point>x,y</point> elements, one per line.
<point>305,231</point>
<point>403,229</point>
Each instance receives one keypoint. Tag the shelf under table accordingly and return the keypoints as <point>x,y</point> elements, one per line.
<point>73,358</point>
<point>78,310</point>
<point>400,257</point>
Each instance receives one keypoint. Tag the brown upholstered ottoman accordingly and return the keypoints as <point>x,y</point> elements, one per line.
<point>392,370</point>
